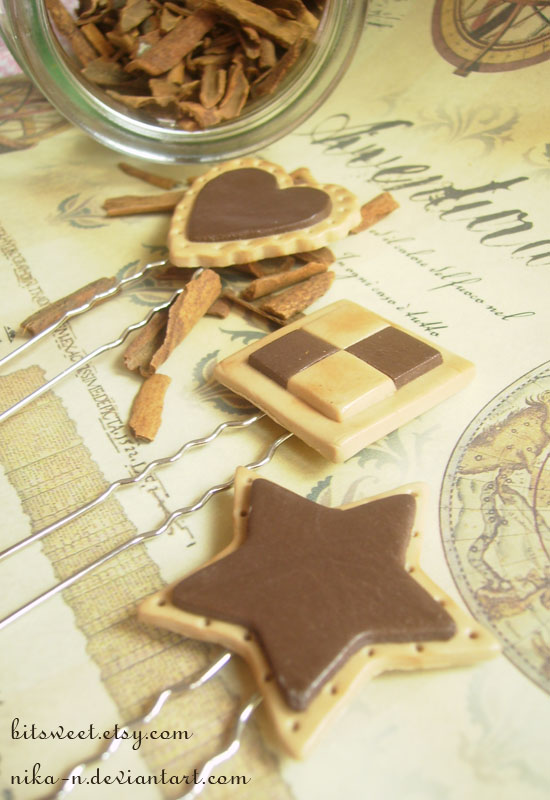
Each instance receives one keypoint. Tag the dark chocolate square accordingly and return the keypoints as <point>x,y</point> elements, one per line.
<point>397,354</point>
<point>289,354</point>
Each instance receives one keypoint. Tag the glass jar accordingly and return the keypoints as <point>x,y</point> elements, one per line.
<point>25,26</point>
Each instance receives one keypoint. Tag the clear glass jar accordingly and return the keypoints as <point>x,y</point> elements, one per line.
<point>25,26</point>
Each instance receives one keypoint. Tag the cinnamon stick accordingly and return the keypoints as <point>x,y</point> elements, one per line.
<point>146,415</point>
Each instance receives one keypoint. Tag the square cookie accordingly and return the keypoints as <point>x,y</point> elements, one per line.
<point>343,377</point>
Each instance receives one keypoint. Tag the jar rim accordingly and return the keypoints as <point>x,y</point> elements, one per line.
<point>317,73</point>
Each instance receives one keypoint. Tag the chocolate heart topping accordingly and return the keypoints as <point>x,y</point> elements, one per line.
<point>247,203</point>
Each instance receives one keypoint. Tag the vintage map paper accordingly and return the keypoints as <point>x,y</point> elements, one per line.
<point>445,106</point>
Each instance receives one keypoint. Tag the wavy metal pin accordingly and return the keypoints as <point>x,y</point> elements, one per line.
<point>75,312</point>
<point>101,349</point>
<point>142,537</point>
<point>72,778</point>
<point>100,498</point>
<point>246,711</point>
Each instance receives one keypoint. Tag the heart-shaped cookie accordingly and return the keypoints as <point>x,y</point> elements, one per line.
<point>248,209</point>
<point>247,203</point>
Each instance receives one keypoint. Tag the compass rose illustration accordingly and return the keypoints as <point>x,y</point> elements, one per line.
<point>491,35</point>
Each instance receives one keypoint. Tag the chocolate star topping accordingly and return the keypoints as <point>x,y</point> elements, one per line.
<point>314,584</point>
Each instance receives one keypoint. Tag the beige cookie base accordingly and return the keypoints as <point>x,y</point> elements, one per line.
<point>298,730</point>
<point>345,215</point>
<point>339,440</point>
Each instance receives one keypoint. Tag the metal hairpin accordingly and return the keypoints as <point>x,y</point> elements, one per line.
<point>72,778</point>
<point>75,312</point>
<point>85,359</point>
<point>139,538</point>
<point>100,498</point>
<point>246,711</point>
<point>199,679</point>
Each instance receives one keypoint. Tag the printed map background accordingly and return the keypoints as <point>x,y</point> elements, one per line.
<point>465,259</point>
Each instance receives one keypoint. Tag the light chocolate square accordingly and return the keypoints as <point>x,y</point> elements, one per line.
<point>341,385</point>
<point>345,326</point>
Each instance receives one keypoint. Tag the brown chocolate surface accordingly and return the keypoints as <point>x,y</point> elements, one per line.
<point>290,354</point>
<point>247,203</point>
<point>315,584</point>
<point>398,355</point>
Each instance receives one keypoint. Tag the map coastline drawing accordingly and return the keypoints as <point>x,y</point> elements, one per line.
<point>495,520</point>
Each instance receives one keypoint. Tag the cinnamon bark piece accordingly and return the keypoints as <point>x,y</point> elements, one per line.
<point>179,275</point>
<point>204,117</point>
<point>268,54</point>
<point>272,283</point>
<point>142,204</point>
<point>213,83</point>
<point>143,347</point>
<point>168,20</point>
<point>255,309</point>
<point>236,94</point>
<point>97,40</point>
<point>66,26</point>
<point>104,72</point>
<point>181,40</point>
<point>220,308</point>
<point>154,104</point>
<point>161,181</point>
<point>162,88</point>
<point>283,31</point>
<point>295,9</point>
<point>267,266</point>
<point>251,268</point>
<point>289,303</point>
<point>322,254</point>
<point>50,314</point>
<point>190,306</point>
<point>177,74</point>
<point>146,415</point>
<point>250,41</point>
<point>133,14</point>
<point>271,80</point>
<point>125,42</point>
<point>375,210</point>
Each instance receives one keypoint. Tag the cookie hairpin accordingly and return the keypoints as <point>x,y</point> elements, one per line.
<point>295,568</point>
<point>139,538</point>
<point>339,379</point>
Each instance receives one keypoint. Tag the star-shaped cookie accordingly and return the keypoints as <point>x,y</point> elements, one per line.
<point>248,209</point>
<point>317,599</point>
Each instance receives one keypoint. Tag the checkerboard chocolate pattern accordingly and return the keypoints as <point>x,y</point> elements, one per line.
<point>343,377</point>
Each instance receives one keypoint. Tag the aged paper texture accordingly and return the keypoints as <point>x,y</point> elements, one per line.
<point>445,106</point>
